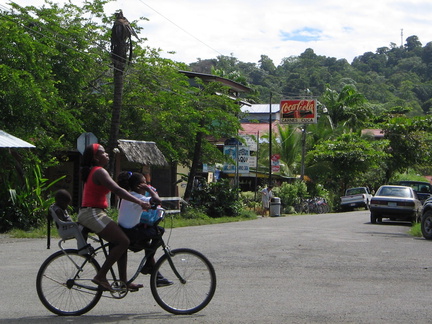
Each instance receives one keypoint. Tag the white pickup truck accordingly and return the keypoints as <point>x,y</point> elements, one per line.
<point>356,197</point>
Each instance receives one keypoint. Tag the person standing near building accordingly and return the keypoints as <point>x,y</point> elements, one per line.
<point>266,195</point>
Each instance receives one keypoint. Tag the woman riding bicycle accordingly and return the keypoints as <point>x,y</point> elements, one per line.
<point>97,184</point>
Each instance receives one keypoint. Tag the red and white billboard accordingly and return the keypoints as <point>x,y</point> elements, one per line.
<point>298,111</point>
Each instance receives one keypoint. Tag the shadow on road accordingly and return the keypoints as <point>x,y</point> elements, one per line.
<point>112,318</point>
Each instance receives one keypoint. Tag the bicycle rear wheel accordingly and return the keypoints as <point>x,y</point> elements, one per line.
<point>64,283</point>
<point>192,289</point>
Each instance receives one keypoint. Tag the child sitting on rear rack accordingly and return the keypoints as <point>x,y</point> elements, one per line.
<point>62,201</point>
<point>69,229</point>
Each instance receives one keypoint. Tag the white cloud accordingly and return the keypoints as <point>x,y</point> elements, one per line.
<point>249,28</point>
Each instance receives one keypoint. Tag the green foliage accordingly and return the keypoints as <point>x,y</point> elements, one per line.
<point>29,204</point>
<point>216,199</point>
<point>409,143</point>
<point>409,175</point>
<point>287,143</point>
<point>344,161</point>
<point>291,193</point>
<point>250,199</point>
<point>345,106</point>
<point>415,230</point>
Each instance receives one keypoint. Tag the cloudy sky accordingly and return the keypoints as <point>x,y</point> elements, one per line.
<point>248,29</point>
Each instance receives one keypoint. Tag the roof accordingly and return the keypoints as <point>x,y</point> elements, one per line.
<point>376,133</point>
<point>261,108</point>
<point>210,77</point>
<point>8,140</point>
<point>146,153</point>
<point>256,128</point>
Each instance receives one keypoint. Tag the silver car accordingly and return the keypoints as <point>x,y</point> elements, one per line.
<point>396,203</point>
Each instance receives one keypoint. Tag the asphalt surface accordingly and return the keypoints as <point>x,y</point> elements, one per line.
<point>331,268</point>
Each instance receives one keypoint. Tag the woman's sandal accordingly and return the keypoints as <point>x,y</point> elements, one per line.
<point>134,287</point>
<point>103,284</point>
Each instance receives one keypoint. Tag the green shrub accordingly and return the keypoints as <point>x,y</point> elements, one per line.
<point>250,199</point>
<point>217,199</point>
<point>27,206</point>
<point>291,193</point>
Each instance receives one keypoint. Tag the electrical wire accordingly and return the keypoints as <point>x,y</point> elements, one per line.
<point>182,29</point>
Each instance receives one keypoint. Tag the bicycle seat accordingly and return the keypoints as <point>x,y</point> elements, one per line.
<point>70,230</point>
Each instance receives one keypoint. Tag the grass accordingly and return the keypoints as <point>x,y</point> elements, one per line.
<point>192,218</point>
<point>415,230</point>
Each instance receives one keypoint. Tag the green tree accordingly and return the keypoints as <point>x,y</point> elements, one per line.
<point>344,161</point>
<point>346,106</point>
<point>409,142</point>
<point>287,143</point>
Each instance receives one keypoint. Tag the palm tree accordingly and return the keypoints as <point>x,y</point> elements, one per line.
<point>346,106</point>
<point>287,143</point>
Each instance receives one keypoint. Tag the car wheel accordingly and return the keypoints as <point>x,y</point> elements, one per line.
<point>373,219</point>
<point>426,225</point>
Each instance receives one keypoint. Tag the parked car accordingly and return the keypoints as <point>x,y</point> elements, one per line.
<point>426,219</point>
<point>356,197</point>
<point>396,203</point>
<point>423,189</point>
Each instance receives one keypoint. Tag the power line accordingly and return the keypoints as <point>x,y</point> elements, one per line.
<point>182,29</point>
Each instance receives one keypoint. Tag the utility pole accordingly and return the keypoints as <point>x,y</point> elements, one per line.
<point>121,34</point>
<point>402,37</point>
<point>303,141</point>
<point>270,141</point>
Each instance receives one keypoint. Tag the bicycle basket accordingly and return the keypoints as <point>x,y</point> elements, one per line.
<point>152,216</point>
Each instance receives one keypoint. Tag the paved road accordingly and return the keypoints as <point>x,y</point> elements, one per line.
<point>332,268</point>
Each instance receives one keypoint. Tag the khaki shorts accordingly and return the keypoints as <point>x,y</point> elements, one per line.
<point>95,219</point>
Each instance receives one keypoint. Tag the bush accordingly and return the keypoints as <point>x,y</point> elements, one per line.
<point>291,193</point>
<point>250,199</point>
<point>26,206</point>
<point>217,199</point>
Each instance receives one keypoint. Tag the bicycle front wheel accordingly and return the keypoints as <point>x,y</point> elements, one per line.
<point>64,283</point>
<point>193,282</point>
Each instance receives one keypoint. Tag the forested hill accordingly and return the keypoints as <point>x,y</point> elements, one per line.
<point>395,76</point>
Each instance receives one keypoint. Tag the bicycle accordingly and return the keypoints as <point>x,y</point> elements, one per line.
<point>64,281</point>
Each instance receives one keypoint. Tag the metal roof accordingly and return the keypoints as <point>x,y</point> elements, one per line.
<point>8,140</point>
<point>146,153</point>
<point>235,86</point>
<point>260,108</point>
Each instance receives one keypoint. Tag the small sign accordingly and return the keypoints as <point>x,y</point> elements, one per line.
<point>242,158</point>
<point>251,142</point>
<point>84,140</point>
<point>275,164</point>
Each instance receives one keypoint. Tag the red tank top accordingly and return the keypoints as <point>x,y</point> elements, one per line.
<point>94,195</point>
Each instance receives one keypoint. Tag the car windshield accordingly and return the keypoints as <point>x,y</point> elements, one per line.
<point>394,192</point>
<point>355,191</point>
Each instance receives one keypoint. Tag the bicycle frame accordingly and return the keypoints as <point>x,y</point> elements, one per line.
<point>104,247</point>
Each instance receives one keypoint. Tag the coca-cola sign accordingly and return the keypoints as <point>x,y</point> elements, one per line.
<point>298,111</point>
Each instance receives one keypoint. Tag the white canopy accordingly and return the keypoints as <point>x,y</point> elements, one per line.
<point>8,140</point>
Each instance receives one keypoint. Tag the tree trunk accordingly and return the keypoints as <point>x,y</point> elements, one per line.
<point>194,167</point>
<point>115,118</point>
